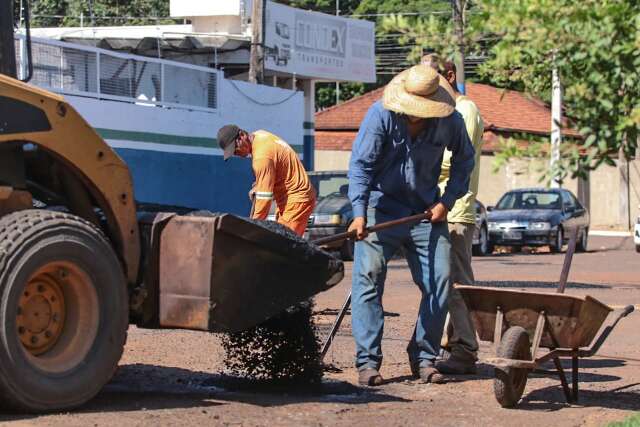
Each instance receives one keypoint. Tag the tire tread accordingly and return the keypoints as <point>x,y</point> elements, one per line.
<point>16,229</point>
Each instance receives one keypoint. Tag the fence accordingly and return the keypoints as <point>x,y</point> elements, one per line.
<point>98,73</point>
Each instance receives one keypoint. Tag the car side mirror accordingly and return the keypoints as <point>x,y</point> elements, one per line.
<point>489,208</point>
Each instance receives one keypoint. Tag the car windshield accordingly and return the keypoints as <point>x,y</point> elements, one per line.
<point>330,185</point>
<point>529,200</point>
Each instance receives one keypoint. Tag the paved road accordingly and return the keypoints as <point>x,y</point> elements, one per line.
<point>173,377</point>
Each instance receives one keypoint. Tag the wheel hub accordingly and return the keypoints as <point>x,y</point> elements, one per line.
<point>41,312</point>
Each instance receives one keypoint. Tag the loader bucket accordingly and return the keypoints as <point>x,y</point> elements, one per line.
<point>226,274</point>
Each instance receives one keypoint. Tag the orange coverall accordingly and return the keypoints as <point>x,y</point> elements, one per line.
<point>281,176</point>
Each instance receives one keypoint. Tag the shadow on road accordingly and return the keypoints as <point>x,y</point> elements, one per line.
<point>552,399</point>
<point>537,285</point>
<point>140,386</point>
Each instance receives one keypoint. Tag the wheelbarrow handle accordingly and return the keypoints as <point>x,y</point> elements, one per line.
<point>373,228</point>
<point>627,311</point>
<point>605,333</point>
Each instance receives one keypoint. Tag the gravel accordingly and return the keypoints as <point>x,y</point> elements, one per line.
<point>282,350</point>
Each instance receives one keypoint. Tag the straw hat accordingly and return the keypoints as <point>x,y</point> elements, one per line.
<point>421,92</point>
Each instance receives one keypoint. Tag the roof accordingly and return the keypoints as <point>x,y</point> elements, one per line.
<point>144,38</point>
<point>503,111</point>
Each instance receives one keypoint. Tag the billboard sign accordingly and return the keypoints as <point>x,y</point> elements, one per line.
<point>319,46</point>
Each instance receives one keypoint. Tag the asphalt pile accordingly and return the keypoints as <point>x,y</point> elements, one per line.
<point>282,350</point>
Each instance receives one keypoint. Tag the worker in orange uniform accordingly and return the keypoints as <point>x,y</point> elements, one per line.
<point>279,173</point>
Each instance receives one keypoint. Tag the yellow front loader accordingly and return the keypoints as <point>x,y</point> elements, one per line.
<point>78,263</point>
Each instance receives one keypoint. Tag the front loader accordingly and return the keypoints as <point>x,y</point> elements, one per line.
<point>79,262</point>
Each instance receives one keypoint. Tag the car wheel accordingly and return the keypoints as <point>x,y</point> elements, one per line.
<point>556,248</point>
<point>584,239</point>
<point>637,248</point>
<point>484,247</point>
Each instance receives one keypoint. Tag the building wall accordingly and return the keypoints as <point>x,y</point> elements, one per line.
<point>517,174</point>
<point>329,160</point>
<point>603,186</point>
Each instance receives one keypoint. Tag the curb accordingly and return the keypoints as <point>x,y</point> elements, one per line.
<point>608,233</point>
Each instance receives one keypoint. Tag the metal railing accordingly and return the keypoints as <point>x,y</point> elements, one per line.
<point>74,69</point>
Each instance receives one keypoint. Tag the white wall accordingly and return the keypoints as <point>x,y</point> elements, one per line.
<point>190,8</point>
<point>249,106</point>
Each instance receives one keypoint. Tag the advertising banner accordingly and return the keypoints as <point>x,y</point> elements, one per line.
<point>319,46</point>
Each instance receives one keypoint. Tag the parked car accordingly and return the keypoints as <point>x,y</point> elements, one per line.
<point>636,234</point>
<point>481,244</point>
<point>538,217</point>
<point>333,213</point>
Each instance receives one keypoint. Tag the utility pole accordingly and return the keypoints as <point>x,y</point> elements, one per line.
<point>459,7</point>
<point>256,61</point>
<point>7,45</point>
<point>624,194</point>
<point>337,83</point>
<point>556,122</point>
<point>93,20</point>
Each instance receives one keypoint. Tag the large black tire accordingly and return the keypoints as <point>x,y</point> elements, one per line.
<point>509,383</point>
<point>556,247</point>
<point>63,311</point>
<point>583,240</point>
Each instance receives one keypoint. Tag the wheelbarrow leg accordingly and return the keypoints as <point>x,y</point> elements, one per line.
<point>563,379</point>
<point>575,364</point>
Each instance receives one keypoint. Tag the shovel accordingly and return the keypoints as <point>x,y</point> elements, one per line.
<point>351,235</point>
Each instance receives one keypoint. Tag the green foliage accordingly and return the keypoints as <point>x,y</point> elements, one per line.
<point>325,6</point>
<point>595,45</point>
<point>433,31</point>
<point>104,12</point>
<point>633,421</point>
<point>401,6</point>
<point>326,93</point>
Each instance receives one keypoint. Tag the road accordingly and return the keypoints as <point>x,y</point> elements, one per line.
<point>174,377</point>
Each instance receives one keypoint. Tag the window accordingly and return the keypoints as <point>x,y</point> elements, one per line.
<point>529,200</point>
<point>568,201</point>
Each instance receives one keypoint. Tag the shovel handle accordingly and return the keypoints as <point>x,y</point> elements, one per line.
<point>373,228</point>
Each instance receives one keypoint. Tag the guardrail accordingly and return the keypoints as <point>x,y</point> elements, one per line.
<point>88,71</point>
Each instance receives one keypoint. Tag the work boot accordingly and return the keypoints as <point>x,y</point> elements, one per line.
<point>369,377</point>
<point>457,366</point>
<point>427,373</point>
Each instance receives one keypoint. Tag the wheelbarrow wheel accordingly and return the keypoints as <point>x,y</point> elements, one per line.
<point>509,382</point>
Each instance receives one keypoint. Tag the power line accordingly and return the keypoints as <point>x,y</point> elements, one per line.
<point>376,15</point>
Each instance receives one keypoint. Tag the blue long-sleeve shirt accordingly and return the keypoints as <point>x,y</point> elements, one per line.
<point>399,176</point>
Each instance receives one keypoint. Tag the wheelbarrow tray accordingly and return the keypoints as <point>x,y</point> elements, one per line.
<point>571,322</point>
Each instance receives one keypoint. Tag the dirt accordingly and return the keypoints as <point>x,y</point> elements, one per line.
<point>175,377</point>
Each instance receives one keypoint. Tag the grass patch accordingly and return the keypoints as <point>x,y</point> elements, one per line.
<point>632,421</point>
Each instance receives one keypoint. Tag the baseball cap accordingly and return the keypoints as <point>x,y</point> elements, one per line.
<point>227,139</point>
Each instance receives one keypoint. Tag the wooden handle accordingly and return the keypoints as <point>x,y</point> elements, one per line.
<point>374,228</point>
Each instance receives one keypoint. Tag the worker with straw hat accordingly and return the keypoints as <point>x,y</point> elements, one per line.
<point>393,173</point>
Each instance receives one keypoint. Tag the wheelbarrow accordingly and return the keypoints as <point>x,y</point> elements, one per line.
<point>521,323</point>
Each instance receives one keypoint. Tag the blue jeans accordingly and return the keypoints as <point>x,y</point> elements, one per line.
<point>427,250</point>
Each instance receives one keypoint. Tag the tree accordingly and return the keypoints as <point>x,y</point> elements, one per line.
<point>390,53</point>
<point>106,12</point>
<point>595,45</point>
